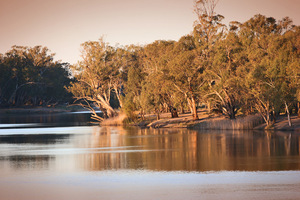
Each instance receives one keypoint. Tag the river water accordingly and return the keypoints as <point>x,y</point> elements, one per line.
<point>61,156</point>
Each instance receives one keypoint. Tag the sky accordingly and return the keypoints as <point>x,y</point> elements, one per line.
<point>62,25</point>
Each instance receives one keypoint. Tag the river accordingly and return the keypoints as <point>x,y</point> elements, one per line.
<point>61,156</point>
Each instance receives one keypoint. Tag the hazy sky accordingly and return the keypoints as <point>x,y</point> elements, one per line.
<point>62,25</point>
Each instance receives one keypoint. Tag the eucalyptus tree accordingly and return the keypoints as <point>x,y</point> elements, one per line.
<point>226,85</point>
<point>271,56</point>
<point>133,100</point>
<point>193,54</point>
<point>100,74</point>
<point>185,74</point>
<point>158,89</point>
<point>94,77</point>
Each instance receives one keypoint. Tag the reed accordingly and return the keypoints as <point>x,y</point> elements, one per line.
<point>114,121</point>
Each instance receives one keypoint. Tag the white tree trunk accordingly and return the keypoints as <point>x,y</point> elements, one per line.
<point>288,113</point>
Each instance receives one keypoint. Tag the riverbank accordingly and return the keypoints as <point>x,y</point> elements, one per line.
<point>219,122</point>
<point>208,122</point>
<point>282,124</point>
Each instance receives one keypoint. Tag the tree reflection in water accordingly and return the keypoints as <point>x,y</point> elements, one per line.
<point>190,150</point>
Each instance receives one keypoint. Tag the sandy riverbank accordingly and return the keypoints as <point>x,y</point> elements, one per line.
<point>206,122</point>
<point>218,122</point>
<point>283,124</point>
<point>209,121</point>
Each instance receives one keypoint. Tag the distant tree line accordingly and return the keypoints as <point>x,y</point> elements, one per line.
<point>29,76</point>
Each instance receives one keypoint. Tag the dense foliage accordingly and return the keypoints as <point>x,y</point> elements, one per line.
<point>29,76</point>
<point>244,68</point>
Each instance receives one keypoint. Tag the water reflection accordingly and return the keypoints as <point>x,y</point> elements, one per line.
<point>29,162</point>
<point>188,150</point>
<point>115,148</point>
<point>51,119</point>
<point>33,139</point>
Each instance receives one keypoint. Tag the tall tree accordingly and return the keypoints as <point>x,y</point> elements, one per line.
<point>270,56</point>
<point>186,75</point>
<point>160,91</point>
<point>101,73</point>
<point>194,53</point>
<point>94,77</point>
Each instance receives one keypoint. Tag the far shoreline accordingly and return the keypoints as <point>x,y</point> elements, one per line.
<point>205,121</point>
<point>41,109</point>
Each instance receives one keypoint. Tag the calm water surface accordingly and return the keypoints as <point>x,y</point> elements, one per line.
<point>60,157</point>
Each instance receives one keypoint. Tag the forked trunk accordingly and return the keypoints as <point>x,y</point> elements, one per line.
<point>111,112</point>
<point>118,94</point>
<point>106,106</point>
<point>104,111</point>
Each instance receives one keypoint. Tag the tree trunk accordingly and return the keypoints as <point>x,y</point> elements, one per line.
<point>166,108</point>
<point>118,94</point>
<point>110,111</point>
<point>232,115</point>
<point>268,117</point>
<point>190,104</point>
<point>157,115</point>
<point>173,111</point>
<point>264,110</point>
<point>104,111</point>
<point>182,108</point>
<point>273,117</point>
<point>142,114</point>
<point>194,107</point>
<point>208,106</point>
<point>298,109</point>
<point>229,104</point>
<point>288,113</point>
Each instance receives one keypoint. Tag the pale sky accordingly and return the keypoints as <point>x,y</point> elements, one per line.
<point>62,25</point>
